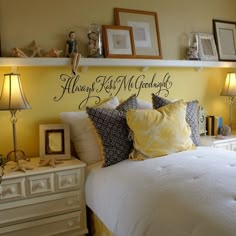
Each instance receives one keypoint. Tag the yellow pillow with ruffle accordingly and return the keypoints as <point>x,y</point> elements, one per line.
<point>159,132</point>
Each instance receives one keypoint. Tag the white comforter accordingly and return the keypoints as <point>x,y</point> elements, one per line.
<point>191,193</point>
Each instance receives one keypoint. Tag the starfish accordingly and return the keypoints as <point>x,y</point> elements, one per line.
<point>36,50</point>
<point>22,166</point>
<point>49,162</point>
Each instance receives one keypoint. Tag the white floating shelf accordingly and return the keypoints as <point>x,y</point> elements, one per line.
<point>106,62</point>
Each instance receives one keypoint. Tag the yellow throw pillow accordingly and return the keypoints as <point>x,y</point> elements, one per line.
<point>159,132</point>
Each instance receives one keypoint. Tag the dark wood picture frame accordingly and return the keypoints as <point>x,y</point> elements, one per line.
<point>225,37</point>
<point>54,141</point>
<point>146,33</point>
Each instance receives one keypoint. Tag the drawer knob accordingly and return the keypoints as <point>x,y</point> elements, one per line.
<point>39,185</point>
<point>10,190</point>
<point>70,223</point>
<point>67,181</point>
<point>70,202</point>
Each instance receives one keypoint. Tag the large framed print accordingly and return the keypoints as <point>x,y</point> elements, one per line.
<point>54,141</point>
<point>118,41</point>
<point>145,31</point>
<point>225,35</point>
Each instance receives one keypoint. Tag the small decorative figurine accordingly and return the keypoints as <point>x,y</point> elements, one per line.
<point>72,51</point>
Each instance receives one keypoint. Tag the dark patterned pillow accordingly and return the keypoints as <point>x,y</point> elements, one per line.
<point>191,115</point>
<point>130,103</point>
<point>112,128</point>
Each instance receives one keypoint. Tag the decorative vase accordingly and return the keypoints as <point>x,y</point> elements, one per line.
<point>95,47</point>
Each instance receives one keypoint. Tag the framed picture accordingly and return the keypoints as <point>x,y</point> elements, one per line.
<point>118,41</point>
<point>54,141</point>
<point>225,35</point>
<point>207,47</point>
<point>145,30</point>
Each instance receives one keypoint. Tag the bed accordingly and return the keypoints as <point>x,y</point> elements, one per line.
<point>148,175</point>
<point>186,193</point>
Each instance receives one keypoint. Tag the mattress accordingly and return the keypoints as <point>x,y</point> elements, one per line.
<point>182,194</point>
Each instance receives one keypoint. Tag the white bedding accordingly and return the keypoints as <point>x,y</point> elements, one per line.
<point>191,193</point>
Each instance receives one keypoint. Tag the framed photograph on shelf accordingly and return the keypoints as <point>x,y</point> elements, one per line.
<point>207,47</point>
<point>118,41</point>
<point>145,30</point>
<point>54,141</point>
<point>225,36</point>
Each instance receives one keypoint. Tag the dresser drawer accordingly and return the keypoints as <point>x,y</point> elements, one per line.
<point>47,226</point>
<point>40,184</point>
<point>66,180</point>
<point>12,189</point>
<point>39,207</point>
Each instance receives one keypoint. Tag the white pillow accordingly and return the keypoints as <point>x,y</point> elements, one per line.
<point>143,104</point>
<point>82,134</point>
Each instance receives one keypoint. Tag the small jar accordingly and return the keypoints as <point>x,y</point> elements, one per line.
<point>95,47</point>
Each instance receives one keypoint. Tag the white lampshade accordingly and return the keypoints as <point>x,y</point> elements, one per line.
<point>230,85</point>
<point>12,96</point>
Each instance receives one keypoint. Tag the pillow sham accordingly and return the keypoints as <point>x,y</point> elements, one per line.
<point>191,115</point>
<point>112,128</point>
<point>159,132</point>
<point>129,103</point>
<point>143,104</point>
<point>82,134</point>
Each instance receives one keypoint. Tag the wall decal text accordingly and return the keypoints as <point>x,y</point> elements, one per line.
<point>112,86</point>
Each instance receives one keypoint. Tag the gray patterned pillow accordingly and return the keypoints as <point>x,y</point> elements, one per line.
<point>112,128</point>
<point>191,115</point>
<point>130,103</point>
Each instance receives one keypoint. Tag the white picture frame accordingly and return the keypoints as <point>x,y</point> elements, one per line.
<point>54,141</point>
<point>207,47</point>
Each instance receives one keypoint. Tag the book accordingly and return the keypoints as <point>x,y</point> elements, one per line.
<point>209,125</point>
<point>213,125</point>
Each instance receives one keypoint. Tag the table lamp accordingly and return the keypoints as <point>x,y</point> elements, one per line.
<point>229,90</point>
<point>13,99</point>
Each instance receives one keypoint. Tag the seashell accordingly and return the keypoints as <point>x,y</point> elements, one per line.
<point>226,130</point>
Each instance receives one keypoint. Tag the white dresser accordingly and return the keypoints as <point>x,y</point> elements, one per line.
<point>228,142</point>
<point>44,201</point>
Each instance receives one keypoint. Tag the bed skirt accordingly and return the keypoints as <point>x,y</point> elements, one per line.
<point>96,226</point>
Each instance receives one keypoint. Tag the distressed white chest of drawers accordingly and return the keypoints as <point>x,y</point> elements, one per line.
<point>228,142</point>
<point>44,201</point>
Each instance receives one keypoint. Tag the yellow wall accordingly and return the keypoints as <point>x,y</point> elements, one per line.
<point>48,22</point>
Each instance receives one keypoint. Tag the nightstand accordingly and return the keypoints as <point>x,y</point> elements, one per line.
<point>229,142</point>
<point>44,201</point>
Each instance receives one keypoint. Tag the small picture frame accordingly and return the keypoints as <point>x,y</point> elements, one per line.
<point>118,41</point>
<point>146,33</point>
<point>207,47</point>
<point>54,141</point>
<point>225,36</point>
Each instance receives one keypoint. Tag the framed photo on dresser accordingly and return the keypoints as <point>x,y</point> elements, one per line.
<point>54,141</point>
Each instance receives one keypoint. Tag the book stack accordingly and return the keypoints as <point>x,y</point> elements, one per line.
<point>214,125</point>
